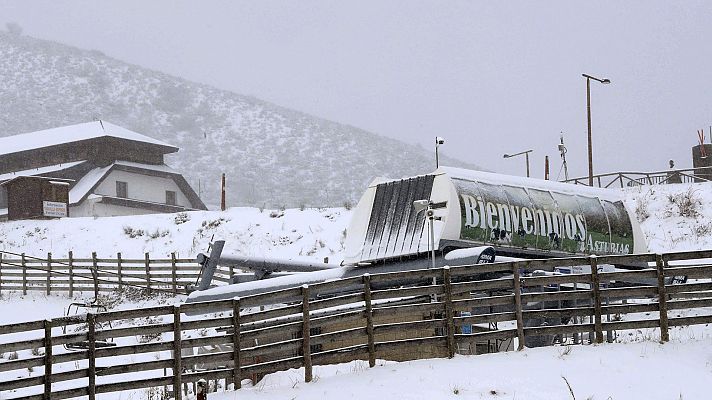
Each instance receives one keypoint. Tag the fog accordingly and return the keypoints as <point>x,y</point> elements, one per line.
<point>489,77</point>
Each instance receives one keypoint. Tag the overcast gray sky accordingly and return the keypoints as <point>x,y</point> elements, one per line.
<point>490,77</point>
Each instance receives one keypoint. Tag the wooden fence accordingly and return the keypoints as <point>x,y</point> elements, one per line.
<point>21,272</point>
<point>628,179</point>
<point>399,316</point>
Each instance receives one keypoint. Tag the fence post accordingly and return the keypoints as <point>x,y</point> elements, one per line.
<point>71,274</point>
<point>518,306</point>
<point>148,273</point>
<point>95,274</point>
<point>306,347</point>
<point>91,336</point>
<point>596,291</point>
<point>118,270</point>
<point>70,259</point>
<point>662,299</point>
<point>369,320</point>
<point>48,359</point>
<point>449,314</point>
<point>177,356</point>
<point>237,360</point>
<point>49,273</point>
<point>24,274</point>
<point>1,254</point>
<point>174,273</point>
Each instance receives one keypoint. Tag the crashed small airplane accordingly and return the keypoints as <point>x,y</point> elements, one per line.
<point>449,217</point>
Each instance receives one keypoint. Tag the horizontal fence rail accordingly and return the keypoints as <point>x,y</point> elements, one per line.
<point>451,310</point>
<point>21,272</point>
<point>628,179</point>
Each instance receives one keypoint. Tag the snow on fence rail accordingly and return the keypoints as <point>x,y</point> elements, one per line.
<point>474,309</point>
<point>20,272</point>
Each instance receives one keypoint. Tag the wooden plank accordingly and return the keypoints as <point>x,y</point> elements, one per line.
<point>692,303</point>
<point>24,275</point>
<point>177,356</point>
<point>596,291</point>
<point>684,321</point>
<point>92,356</point>
<point>662,298</point>
<point>49,273</point>
<point>482,285</point>
<point>555,280</point>
<point>71,275</point>
<point>369,320</point>
<point>688,255</point>
<point>48,360</point>
<point>518,306</point>
<point>386,294</point>
<point>94,276</point>
<point>237,359</point>
<point>689,287</point>
<point>22,363</point>
<point>119,270</point>
<point>449,312</point>
<point>148,273</point>
<point>488,301</point>
<point>174,273</point>
<point>473,271</point>
<point>21,327</point>
<point>306,348</point>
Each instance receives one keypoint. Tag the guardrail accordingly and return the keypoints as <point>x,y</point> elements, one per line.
<point>21,272</point>
<point>628,179</point>
<point>440,312</point>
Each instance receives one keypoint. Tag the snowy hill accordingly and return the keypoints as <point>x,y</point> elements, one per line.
<point>272,156</point>
<point>672,217</point>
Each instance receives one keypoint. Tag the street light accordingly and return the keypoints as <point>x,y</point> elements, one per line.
<point>526,153</point>
<point>438,142</point>
<point>588,107</point>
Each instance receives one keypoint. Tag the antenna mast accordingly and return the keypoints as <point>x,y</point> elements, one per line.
<point>562,150</point>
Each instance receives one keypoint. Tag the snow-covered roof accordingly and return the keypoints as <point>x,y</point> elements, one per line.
<point>88,181</point>
<point>69,134</point>
<point>554,186</point>
<point>39,171</point>
<point>152,167</point>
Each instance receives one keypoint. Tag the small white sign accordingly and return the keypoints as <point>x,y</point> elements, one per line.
<point>54,209</point>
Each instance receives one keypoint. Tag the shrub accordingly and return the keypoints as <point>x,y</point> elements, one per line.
<point>133,233</point>
<point>687,203</point>
<point>181,218</point>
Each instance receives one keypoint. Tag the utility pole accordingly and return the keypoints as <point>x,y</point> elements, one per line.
<point>222,194</point>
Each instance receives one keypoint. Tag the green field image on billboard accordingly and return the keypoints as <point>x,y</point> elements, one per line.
<point>506,215</point>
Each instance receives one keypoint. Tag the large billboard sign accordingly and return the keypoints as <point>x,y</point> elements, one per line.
<point>524,217</point>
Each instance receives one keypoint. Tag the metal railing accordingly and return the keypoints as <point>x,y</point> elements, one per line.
<point>629,179</point>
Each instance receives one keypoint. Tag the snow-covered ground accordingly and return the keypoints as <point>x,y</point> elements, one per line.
<point>311,233</point>
<point>673,217</point>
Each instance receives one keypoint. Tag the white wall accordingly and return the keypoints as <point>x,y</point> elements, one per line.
<point>92,208</point>
<point>142,187</point>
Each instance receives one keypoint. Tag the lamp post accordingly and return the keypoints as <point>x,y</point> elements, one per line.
<point>588,108</point>
<point>438,142</point>
<point>526,153</point>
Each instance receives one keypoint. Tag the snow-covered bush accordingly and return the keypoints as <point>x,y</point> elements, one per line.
<point>181,218</point>
<point>687,203</point>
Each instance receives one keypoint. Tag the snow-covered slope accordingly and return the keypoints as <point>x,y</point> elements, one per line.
<point>272,155</point>
<point>309,233</point>
<point>672,217</point>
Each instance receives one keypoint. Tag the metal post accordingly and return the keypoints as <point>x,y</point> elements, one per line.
<point>431,219</point>
<point>590,151</point>
<point>527,157</point>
